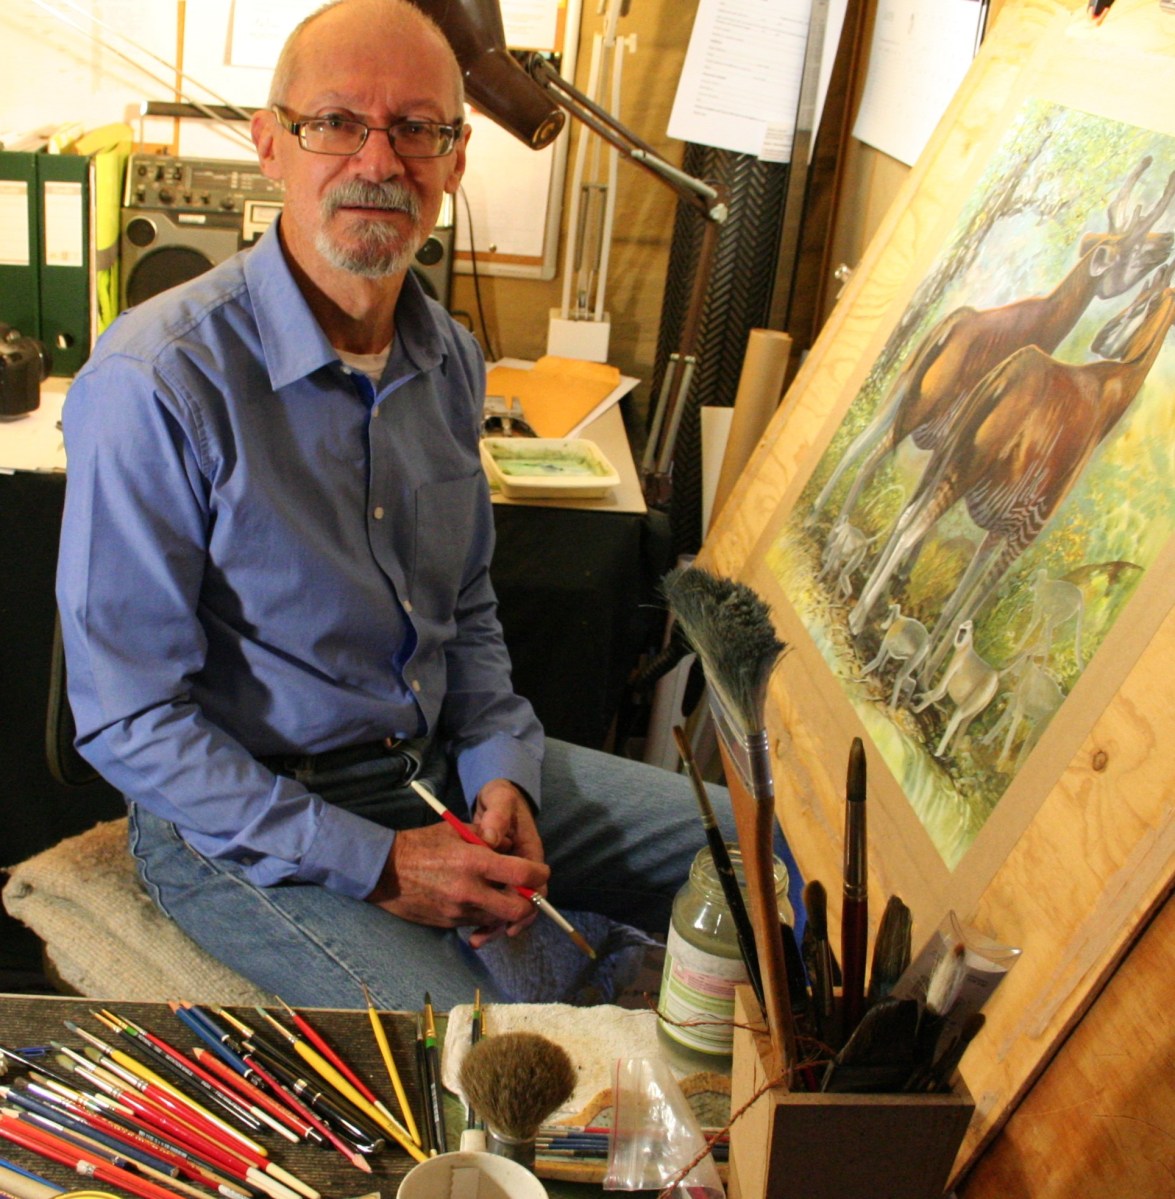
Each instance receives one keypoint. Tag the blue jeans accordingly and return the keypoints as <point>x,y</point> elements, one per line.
<point>619,836</point>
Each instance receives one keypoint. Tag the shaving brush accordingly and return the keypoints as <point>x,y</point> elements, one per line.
<point>514,1081</point>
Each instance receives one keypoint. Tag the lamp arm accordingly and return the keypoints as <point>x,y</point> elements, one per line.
<point>701,195</point>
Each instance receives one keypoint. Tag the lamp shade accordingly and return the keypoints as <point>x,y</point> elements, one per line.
<point>494,82</point>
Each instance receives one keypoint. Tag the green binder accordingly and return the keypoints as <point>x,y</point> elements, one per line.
<point>65,192</point>
<point>20,246</point>
<point>80,192</point>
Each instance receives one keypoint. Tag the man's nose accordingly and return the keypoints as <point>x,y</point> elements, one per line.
<point>377,157</point>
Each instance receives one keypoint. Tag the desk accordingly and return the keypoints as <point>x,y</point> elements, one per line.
<point>35,1021</point>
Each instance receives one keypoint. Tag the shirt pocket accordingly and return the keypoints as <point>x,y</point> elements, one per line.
<point>445,521</point>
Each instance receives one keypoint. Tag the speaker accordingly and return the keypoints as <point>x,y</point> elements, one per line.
<point>181,216</point>
<point>157,252</point>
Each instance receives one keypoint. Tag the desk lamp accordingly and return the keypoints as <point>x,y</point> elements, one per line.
<point>526,102</point>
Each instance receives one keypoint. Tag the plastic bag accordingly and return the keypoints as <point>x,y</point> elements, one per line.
<point>655,1134</point>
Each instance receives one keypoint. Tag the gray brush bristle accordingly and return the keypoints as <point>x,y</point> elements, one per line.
<point>515,1080</point>
<point>730,628</point>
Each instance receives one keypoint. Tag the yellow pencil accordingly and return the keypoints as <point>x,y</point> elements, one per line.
<point>381,1039</point>
<point>327,1071</point>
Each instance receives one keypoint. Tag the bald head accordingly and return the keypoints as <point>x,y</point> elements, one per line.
<point>375,15</point>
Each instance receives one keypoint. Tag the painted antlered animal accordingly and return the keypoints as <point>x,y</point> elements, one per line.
<point>969,342</point>
<point>1023,438</point>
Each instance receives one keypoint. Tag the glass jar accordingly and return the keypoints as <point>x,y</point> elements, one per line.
<point>703,965</point>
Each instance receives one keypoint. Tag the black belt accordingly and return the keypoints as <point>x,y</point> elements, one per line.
<point>296,765</point>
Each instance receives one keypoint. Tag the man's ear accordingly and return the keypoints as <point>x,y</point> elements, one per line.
<point>453,182</point>
<point>263,127</point>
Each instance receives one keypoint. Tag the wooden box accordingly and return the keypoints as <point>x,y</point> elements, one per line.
<point>834,1146</point>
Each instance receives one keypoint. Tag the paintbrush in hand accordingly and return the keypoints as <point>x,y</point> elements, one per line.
<point>730,629</point>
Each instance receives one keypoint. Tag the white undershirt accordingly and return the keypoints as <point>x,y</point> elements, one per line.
<point>371,365</point>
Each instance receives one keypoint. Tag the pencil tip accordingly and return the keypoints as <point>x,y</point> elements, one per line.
<point>360,1163</point>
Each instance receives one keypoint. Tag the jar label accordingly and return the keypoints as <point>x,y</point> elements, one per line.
<point>697,996</point>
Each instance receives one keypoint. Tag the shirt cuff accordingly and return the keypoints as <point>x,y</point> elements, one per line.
<point>348,853</point>
<point>501,757</point>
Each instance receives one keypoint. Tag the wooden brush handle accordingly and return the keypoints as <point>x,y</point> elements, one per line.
<point>755,821</point>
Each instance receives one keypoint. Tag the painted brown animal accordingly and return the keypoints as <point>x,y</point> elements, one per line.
<point>969,342</point>
<point>1026,434</point>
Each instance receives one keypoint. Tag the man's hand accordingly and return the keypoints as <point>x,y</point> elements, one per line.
<point>433,877</point>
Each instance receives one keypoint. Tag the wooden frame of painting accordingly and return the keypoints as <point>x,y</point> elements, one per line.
<point>1040,815</point>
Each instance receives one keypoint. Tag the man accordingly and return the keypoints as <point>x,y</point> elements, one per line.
<point>274,581</point>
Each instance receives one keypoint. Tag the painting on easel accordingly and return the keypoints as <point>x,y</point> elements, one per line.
<point>1002,481</point>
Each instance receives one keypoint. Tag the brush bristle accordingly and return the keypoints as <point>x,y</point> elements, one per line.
<point>730,628</point>
<point>515,1080</point>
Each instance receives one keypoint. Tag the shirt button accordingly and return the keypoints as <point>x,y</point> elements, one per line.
<point>407,605</point>
<point>416,685</point>
<point>378,514</point>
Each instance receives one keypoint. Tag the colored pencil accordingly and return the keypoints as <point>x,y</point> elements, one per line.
<point>334,1078</point>
<point>385,1052</point>
<point>55,1149</point>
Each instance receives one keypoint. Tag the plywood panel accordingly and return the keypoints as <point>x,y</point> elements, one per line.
<point>1100,1123</point>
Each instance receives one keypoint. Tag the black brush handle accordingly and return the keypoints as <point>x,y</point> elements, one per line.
<point>738,909</point>
<point>720,855</point>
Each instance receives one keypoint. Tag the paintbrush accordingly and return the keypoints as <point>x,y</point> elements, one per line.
<point>942,990</point>
<point>541,902</point>
<point>730,629</point>
<point>724,868</point>
<point>817,953</point>
<point>515,1081</point>
<point>854,920</point>
<point>891,950</point>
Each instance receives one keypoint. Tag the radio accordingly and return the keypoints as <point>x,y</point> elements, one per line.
<point>181,216</point>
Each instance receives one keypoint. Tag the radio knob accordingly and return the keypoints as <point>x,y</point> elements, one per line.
<point>228,203</point>
<point>165,196</point>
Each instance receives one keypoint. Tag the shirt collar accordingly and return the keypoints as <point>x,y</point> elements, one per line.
<point>292,339</point>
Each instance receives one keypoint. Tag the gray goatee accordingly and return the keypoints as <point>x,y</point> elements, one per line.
<point>381,249</point>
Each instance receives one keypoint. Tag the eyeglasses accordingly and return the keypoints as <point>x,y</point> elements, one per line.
<point>337,135</point>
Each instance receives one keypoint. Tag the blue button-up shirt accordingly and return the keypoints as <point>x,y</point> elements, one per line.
<point>263,554</point>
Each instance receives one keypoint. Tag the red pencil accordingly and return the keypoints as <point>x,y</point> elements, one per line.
<point>308,1115</point>
<point>231,1078</point>
<point>328,1051</point>
<point>46,1145</point>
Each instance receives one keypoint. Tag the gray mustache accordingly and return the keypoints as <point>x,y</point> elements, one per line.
<point>391,196</point>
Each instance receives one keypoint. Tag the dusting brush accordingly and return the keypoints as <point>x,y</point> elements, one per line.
<point>515,1081</point>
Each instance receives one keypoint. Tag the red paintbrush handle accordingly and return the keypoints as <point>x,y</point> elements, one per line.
<point>853,942</point>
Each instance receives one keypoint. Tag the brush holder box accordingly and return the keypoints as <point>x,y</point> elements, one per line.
<point>826,1146</point>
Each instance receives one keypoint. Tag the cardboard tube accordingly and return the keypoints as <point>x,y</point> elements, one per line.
<point>760,387</point>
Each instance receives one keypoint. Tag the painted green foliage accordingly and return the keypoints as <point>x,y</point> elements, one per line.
<point>1050,184</point>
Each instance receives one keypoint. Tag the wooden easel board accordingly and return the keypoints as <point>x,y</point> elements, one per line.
<point>1074,843</point>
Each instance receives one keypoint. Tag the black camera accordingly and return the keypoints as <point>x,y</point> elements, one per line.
<point>24,362</point>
